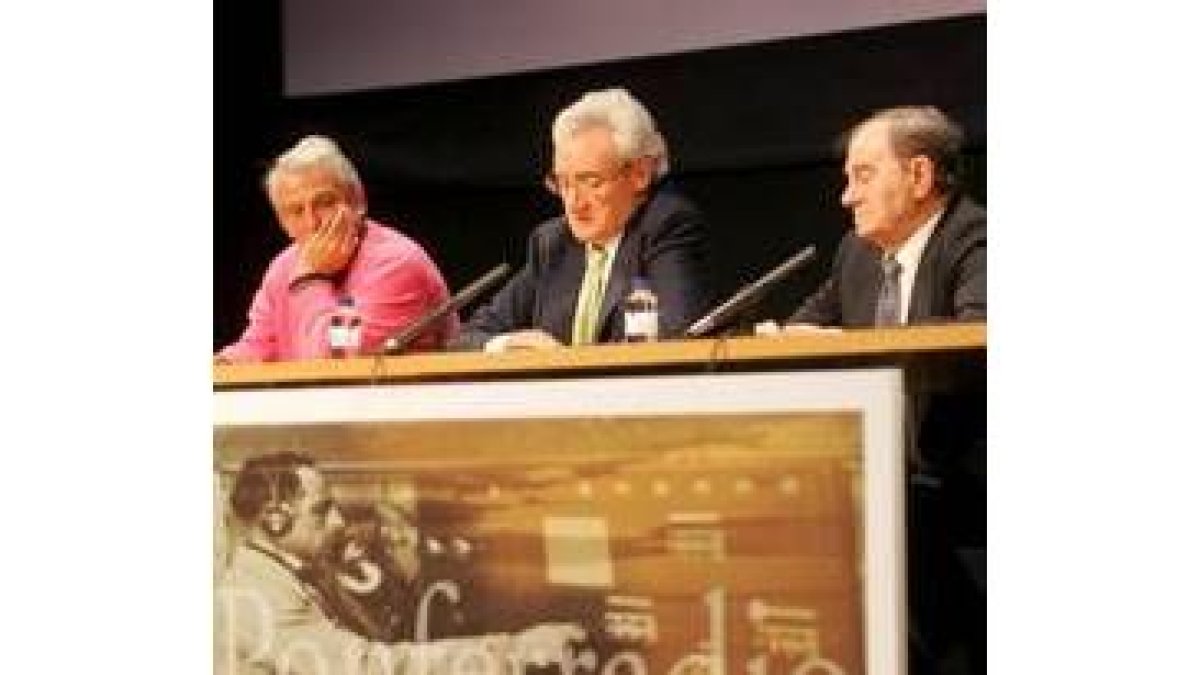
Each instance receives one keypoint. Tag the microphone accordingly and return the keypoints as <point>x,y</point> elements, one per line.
<point>749,295</point>
<point>398,342</point>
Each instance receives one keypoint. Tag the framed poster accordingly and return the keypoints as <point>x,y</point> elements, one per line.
<point>720,524</point>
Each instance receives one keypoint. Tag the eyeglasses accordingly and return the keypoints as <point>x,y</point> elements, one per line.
<point>588,182</point>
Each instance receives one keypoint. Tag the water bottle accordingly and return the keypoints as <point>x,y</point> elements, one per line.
<point>345,329</point>
<point>641,313</point>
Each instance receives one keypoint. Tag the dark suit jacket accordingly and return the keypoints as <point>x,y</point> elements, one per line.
<point>665,242</point>
<point>947,401</point>
<point>951,280</point>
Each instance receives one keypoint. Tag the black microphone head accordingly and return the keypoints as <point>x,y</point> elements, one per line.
<point>749,295</point>
<point>397,343</point>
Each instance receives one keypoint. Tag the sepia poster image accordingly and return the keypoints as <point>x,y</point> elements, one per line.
<point>713,524</point>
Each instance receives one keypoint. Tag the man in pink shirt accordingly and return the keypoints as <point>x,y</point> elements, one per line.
<point>336,251</point>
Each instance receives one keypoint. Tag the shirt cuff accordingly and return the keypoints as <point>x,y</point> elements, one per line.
<point>496,344</point>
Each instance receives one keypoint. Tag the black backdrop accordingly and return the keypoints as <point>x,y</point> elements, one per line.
<point>457,165</point>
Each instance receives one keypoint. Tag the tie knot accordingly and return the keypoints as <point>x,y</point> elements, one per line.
<point>891,266</point>
<point>596,255</point>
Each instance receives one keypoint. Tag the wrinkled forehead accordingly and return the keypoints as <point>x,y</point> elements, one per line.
<point>291,184</point>
<point>588,149</point>
<point>870,144</point>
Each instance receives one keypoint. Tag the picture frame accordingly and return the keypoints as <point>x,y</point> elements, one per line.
<point>720,523</point>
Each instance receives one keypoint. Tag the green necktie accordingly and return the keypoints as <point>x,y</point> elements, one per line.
<point>591,294</point>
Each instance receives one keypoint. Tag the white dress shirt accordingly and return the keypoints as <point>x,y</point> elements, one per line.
<point>909,257</point>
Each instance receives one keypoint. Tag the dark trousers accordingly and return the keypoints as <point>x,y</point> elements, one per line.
<point>946,590</point>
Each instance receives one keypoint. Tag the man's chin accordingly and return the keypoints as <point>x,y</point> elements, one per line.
<point>585,233</point>
<point>866,230</point>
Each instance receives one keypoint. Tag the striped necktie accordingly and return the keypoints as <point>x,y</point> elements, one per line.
<point>587,311</point>
<point>887,309</point>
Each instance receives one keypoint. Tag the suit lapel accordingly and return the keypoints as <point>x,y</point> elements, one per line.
<point>563,286</point>
<point>860,285</point>
<point>921,302</point>
<point>618,286</point>
<point>628,264</point>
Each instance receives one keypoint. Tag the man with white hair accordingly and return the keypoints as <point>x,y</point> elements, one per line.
<point>619,222</point>
<point>336,252</point>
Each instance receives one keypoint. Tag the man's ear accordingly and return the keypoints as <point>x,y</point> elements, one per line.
<point>642,170</point>
<point>923,174</point>
<point>356,196</point>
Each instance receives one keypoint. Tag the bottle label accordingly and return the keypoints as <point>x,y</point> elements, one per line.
<point>640,326</point>
<point>340,337</point>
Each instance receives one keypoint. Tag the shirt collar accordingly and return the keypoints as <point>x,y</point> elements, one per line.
<point>909,253</point>
<point>281,556</point>
<point>610,246</point>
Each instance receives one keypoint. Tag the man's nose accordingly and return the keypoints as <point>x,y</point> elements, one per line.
<point>312,219</point>
<point>848,196</point>
<point>574,198</point>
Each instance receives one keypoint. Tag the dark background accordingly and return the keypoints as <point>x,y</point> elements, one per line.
<point>458,165</point>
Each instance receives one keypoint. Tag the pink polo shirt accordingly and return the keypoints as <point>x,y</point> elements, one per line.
<point>392,280</point>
